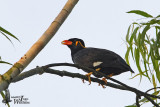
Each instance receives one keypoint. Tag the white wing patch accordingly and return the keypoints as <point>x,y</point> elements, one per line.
<point>97,63</point>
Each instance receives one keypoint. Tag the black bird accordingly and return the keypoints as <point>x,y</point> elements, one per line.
<point>101,60</point>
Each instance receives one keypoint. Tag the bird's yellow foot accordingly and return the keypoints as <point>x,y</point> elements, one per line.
<point>89,77</point>
<point>98,69</point>
<point>110,75</point>
<point>105,80</point>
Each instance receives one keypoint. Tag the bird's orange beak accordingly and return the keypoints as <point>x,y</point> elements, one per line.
<point>66,42</point>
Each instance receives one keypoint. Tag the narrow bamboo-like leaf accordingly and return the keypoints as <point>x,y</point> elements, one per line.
<point>156,46</point>
<point>133,34</point>
<point>157,16</point>
<point>137,58</point>
<point>138,40</point>
<point>7,32</point>
<point>153,21</point>
<point>157,70</point>
<point>3,96</point>
<point>158,27</point>
<point>6,37</point>
<point>154,82</point>
<point>4,62</point>
<point>127,55</point>
<point>143,54</point>
<point>132,52</point>
<point>146,71</point>
<point>155,64</point>
<point>143,34</point>
<point>138,75</point>
<point>144,100</point>
<point>127,36</point>
<point>135,76</point>
<point>156,93</point>
<point>139,12</point>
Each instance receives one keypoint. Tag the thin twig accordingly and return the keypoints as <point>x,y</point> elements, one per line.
<point>91,70</point>
<point>152,89</point>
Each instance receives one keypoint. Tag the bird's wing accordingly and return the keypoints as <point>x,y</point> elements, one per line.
<point>93,57</point>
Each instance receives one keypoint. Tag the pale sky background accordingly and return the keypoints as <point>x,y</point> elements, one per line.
<point>100,23</point>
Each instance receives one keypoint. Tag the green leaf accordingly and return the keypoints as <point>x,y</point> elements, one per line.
<point>139,12</point>
<point>156,46</point>
<point>132,52</point>
<point>155,64</point>
<point>6,37</point>
<point>158,16</point>
<point>138,40</point>
<point>137,58</point>
<point>7,32</point>
<point>154,82</point>
<point>3,96</point>
<point>137,75</point>
<point>127,36</point>
<point>153,21</point>
<point>143,34</point>
<point>134,34</point>
<point>127,55</point>
<point>157,70</point>
<point>146,71</point>
<point>4,62</point>
<point>157,27</point>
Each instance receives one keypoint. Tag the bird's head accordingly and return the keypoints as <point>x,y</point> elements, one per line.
<point>74,44</point>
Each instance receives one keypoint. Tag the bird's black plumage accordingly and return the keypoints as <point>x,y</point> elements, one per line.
<point>102,60</point>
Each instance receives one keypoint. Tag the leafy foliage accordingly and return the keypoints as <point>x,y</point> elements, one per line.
<point>139,12</point>
<point>144,47</point>
<point>6,33</point>
<point>4,62</point>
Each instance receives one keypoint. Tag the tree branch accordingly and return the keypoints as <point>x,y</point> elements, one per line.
<point>136,91</point>
<point>137,100</point>
<point>40,70</point>
<point>121,86</point>
<point>152,89</point>
<point>91,70</point>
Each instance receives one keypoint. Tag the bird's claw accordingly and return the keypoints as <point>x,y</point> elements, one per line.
<point>105,80</point>
<point>110,75</point>
<point>89,77</point>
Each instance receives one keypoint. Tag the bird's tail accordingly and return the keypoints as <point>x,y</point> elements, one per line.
<point>132,70</point>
